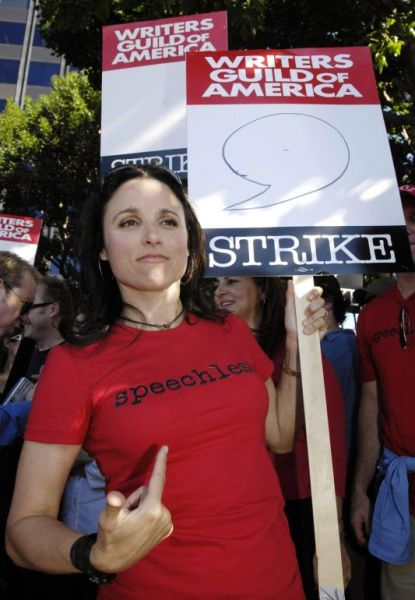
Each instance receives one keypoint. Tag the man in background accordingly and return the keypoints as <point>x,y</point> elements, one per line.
<point>385,332</point>
<point>339,345</point>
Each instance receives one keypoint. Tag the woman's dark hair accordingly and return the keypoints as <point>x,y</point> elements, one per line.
<point>271,332</point>
<point>332,293</point>
<point>102,298</point>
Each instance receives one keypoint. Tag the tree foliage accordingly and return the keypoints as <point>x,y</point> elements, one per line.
<point>49,151</point>
<point>49,159</point>
<point>387,26</point>
<point>74,29</point>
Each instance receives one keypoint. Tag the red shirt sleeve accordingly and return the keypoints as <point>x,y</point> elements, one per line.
<point>260,361</point>
<point>61,405</point>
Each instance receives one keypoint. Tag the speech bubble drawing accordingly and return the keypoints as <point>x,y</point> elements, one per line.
<point>307,154</point>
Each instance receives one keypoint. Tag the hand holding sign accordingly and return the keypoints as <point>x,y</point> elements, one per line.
<point>315,313</point>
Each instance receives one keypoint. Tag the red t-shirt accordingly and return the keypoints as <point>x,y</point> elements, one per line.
<point>199,388</point>
<point>383,360</point>
<point>292,468</point>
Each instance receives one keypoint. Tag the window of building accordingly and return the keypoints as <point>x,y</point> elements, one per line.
<point>11,33</point>
<point>37,39</point>
<point>40,73</point>
<point>9,70</point>
<point>14,3</point>
<point>2,104</point>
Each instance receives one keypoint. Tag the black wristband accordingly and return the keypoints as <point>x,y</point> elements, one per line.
<point>79,556</point>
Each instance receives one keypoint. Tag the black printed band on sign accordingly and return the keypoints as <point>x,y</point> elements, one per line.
<point>307,250</point>
<point>174,159</point>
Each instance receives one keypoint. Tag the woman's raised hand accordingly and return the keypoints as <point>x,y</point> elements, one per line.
<point>130,527</point>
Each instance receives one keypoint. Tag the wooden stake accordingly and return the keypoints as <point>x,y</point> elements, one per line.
<point>326,526</point>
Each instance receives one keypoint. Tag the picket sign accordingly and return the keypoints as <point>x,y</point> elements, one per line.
<point>326,526</point>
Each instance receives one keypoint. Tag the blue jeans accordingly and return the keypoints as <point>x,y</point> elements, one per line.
<point>83,500</point>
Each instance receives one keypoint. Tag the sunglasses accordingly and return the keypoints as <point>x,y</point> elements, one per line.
<point>404,327</point>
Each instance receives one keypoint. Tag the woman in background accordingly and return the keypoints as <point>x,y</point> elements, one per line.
<point>261,303</point>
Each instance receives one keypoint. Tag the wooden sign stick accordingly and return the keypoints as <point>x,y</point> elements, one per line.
<point>326,527</point>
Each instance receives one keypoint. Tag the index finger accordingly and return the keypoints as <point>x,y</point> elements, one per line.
<point>158,476</point>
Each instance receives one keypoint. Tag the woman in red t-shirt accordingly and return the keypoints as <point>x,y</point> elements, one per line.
<point>152,364</point>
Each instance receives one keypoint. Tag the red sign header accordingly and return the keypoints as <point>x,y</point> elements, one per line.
<point>162,41</point>
<point>20,229</point>
<point>295,76</point>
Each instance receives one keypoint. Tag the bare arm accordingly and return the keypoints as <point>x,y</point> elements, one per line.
<point>285,413</point>
<point>367,456</point>
<point>35,538</point>
<point>128,527</point>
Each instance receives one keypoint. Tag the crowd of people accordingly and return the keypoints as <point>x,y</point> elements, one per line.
<point>165,453</point>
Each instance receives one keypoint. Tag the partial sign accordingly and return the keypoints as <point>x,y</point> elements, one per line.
<point>143,88</point>
<point>20,235</point>
<point>290,169</point>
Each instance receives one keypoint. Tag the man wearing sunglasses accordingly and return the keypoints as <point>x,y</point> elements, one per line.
<point>17,288</point>
<point>386,340</point>
<point>42,319</point>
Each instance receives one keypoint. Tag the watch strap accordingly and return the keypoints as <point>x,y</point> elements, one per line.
<point>80,558</point>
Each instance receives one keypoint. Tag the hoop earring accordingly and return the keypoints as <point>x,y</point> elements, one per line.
<point>100,269</point>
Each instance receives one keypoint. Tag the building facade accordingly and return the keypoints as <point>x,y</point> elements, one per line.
<point>26,65</point>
